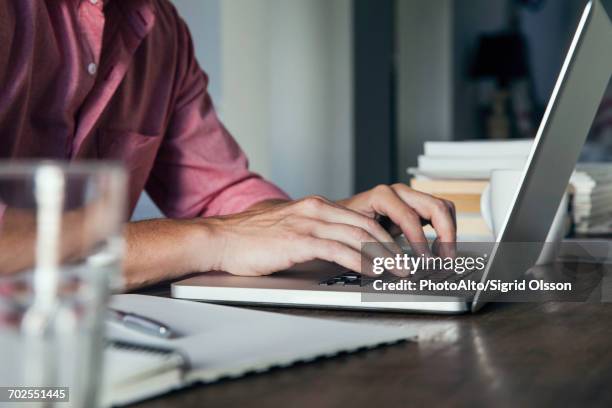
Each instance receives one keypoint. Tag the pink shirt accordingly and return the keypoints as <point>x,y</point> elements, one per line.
<point>80,79</point>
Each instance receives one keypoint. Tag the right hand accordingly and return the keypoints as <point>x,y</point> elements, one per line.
<point>280,236</point>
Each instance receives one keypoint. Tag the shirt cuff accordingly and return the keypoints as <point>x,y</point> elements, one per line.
<point>243,195</point>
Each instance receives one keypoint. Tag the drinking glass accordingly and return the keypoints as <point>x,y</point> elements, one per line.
<point>61,251</point>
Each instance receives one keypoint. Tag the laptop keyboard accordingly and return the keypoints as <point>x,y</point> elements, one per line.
<point>350,278</point>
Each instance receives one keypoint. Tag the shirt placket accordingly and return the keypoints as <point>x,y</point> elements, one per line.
<point>121,41</point>
<point>91,20</point>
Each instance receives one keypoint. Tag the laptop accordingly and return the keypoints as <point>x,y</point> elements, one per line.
<point>566,122</point>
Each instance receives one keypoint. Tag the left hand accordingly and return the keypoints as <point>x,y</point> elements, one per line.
<point>409,210</point>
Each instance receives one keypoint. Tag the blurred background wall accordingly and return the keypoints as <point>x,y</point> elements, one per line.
<point>286,90</point>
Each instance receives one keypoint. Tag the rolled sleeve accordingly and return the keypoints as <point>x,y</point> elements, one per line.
<point>200,170</point>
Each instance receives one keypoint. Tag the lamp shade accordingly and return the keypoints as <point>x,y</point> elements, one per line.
<point>502,56</point>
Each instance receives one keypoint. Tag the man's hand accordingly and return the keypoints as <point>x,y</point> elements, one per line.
<point>277,236</point>
<point>408,210</point>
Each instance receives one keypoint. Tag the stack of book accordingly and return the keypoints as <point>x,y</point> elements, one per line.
<point>460,171</point>
<point>591,186</point>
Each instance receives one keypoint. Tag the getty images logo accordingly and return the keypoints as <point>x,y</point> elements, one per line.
<point>408,263</point>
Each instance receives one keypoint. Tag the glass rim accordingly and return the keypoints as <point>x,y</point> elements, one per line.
<point>27,168</point>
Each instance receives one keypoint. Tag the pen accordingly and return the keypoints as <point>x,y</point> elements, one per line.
<point>141,323</point>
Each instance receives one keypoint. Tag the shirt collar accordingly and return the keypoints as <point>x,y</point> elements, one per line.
<point>101,3</point>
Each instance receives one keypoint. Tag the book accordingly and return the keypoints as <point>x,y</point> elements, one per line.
<point>592,197</point>
<point>468,203</point>
<point>446,186</point>
<point>447,174</point>
<point>477,167</point>
<point>218,342</point>
<point>478,148</point>
<point>470,228</point>
<point>464,194</point>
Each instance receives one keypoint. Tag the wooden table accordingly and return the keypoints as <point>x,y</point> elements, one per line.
<point>509,354</point>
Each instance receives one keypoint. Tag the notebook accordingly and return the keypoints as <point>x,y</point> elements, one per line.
<point>217,342</point>
<point>133,373</point>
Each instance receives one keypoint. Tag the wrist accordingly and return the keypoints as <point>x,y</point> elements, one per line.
<point>206,245</point>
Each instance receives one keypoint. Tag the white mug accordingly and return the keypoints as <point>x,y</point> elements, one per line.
<point>495,204</point>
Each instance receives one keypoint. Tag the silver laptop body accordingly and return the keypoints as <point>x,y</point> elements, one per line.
<point>566,122</point>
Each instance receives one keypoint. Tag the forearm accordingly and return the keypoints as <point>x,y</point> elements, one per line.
<point>18,229</point>
<point>164,249</point>
<point>156,250</point>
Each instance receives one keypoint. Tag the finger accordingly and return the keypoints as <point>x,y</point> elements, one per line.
<point>334,251</point>
<point>440,213</point>
<point>388,203</point>
<point>356,238</point>
<point>451,247</point>
<point>453,211</point>
<point>324,210</point>
<point>435,247</point>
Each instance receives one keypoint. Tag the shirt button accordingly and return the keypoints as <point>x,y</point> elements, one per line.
<point>92,68</point>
